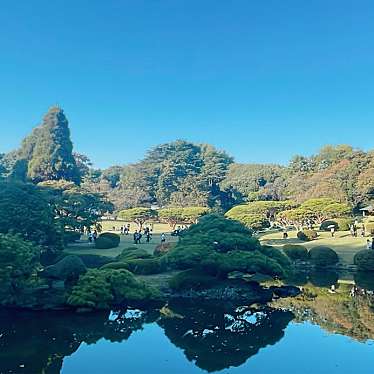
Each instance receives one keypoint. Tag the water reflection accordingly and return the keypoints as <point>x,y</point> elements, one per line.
<point>215,338</point>
<point>37,342</point>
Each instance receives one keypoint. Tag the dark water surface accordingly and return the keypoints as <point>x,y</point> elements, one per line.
<point>319,332</point>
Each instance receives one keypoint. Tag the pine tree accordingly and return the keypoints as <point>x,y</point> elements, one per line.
<point>50,154</point>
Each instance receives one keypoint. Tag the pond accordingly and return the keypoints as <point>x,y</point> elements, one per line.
<point>320,331</point>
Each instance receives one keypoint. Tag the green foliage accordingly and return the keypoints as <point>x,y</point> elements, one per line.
<point>107,240</point>
<point>69,268</point>
<point>75,208</point>
<point>296,252</point>
<point>71,236</point>
<point>102,289</point>
<point>48,150</point>
<point>341,224</point>
<point>138,215</point>
<point>316,210</point>
<point>307,235</point>
<point>25,209</point>
<point>192,279</point>
<point>19,259</point>
<point>132,253</point>
<point>364,260</point>
<point>146,266</point>
<point>222,246</point>
<point>259,214</point>
<point>243,261</point>
<point>323,256</point>
<point>181,215</point>
<point>115,266</point>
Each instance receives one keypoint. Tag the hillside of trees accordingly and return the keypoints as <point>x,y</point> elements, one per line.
<point>182,174</point>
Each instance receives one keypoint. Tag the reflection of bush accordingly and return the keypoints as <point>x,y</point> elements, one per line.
<point>365,280</point>
<point>323,256</point>
<point>296,252</point>
<point>193,279</point>
<point>323,278</point>
<point>41,340</point>
<point>216,338</point>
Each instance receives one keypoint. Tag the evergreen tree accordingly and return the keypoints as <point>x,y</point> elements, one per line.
<point>52,152</point>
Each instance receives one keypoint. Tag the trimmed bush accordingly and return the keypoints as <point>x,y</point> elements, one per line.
<point>107,240</point>
<point>71,237</point>
<point>192,279</point>
<point>132,254</point>
<point>340,224</point>
<point>365,279</point>
<point>296,252</point>
<point>364,260</point>
<point>323,256</point>
<point>307,235</point>
<point>69,268</point>
<point>146,266</point>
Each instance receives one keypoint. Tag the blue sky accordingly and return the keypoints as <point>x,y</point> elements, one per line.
<point>263,79</point>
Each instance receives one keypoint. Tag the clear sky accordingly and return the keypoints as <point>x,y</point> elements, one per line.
<point>263,79</point>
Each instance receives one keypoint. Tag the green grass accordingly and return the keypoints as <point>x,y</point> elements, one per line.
<point>343,243</point>
<point>84,247</point>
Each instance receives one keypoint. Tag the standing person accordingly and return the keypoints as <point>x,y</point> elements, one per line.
<point>332,232</point>
<point>351,229</point>
<point>148,235</point>
<point>128,229</point>
<point>136,237</point>
<point>90,236</point>
<point>163,238</point>
<point>139,237</point>
<point>355,231</point>
<point>363,233</point>
<point>94,235</point>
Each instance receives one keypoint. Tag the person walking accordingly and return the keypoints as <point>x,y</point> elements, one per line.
<point>163,238</point>
<point>136,237</point>
<point>94,235</point>
<point>332,232</point>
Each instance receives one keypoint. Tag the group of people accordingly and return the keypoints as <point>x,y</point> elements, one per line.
<point>138,235</point>
<point>92,236</point>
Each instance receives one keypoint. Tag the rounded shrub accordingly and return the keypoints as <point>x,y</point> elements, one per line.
<point>94,261</point>
<point>115,266</point>
<point>296,252</point>
<point>340,224</point>
<point>192,279</point>
<point>364,260</point>
<point>323,256</point>
<point>107,240</point>
<point>323,278</point>
<point>132,253</point>
<point>307,235</point>
<point>365,280</point>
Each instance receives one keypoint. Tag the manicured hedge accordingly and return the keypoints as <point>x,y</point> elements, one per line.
<point>71,236</point>
<point>340,224</point>
<point>307,235</point>
<point>296,252</point>
<point>323,256</point>
<point>107,240</point>
<point>364,260</point>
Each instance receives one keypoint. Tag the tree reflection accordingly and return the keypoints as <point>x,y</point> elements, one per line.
<point>215,338</point>
<point>37,342</point>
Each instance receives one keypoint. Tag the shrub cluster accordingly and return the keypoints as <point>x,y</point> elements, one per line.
<point>364,260</point>
<point>102,289</point>
<point>307,235</point>
<point>323,256</point>
<point>107,240</point>
<point>296,252</point>
<point>340,224</point>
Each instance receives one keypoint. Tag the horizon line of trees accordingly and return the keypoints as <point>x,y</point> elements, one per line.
<point>182,174</point>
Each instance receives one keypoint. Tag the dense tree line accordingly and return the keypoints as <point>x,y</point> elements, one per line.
<point>184,174</point>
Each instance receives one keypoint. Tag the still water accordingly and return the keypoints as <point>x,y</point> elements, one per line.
<point>318,332</point>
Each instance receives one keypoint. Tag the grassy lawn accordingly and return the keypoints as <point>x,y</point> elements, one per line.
<point>84,247</point>
<point>343,243</point>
